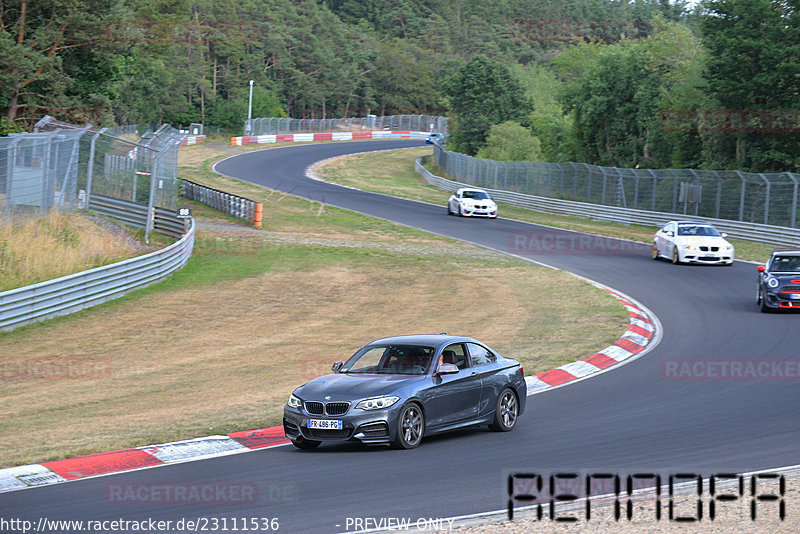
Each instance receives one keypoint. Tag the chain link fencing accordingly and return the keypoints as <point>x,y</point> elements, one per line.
<point>60,166</point>
<point>764,198</point>
<point>275,125</point>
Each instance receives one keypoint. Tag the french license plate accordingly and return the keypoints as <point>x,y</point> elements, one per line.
<point>794,296</point>
<point>326,424</point>
<point>709,256</point>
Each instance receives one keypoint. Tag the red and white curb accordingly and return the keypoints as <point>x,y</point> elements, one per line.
<point>335,136</point>
<point>104,463</point>
<point>642,328</point>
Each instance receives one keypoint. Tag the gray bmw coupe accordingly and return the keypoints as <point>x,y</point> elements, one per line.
<point>397,390</point>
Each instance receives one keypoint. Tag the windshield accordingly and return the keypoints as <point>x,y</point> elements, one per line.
<point>391,360</point>
<point>697,230</point>
<point>785,264</point>
<point>479,195</point>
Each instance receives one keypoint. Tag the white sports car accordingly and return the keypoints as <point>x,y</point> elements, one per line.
<point>692,242</point>
<point>468,202</point>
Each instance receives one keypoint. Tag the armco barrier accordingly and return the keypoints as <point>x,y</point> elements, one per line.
<point>334,136</point>
<point>775,235</point>
<point>133,214</point>
<point>240,207</point>
<point>75,292</point>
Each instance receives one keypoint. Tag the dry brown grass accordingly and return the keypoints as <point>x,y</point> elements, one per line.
<point>211,359</point>
<point>35,250</point>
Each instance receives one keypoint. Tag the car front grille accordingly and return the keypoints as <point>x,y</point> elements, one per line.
<point>331,408</point>
<point>319,433</point>
<point>713,249</point>
<point>337,408</point>
<point>315,408</point>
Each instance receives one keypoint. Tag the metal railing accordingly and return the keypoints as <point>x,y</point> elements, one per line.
<point>69,294</point>
<point>239,207</point>
<point>757,198</point>
<point>776,235</point>
<point>275,125</point>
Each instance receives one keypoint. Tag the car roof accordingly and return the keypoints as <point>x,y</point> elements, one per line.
<point>434,340</point>
<point>471,189</point>
<point>786,252</point>
<point>693,222</point>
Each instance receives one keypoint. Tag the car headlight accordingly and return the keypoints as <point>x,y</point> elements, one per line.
<point>377,403</point>
<point>772,282</point>
<point>689,247</point>
<point>294,402</point>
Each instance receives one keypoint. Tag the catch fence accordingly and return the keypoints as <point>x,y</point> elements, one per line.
<point>763,198</point>
<point>276,125</point>
<point>60,166</point>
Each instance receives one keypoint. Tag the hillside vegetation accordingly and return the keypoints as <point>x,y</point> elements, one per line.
<point>632,83</point>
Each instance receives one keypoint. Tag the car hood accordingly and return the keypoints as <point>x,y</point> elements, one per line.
<point>351,387</point>
<point>477,201</point>
<point>702,241</point>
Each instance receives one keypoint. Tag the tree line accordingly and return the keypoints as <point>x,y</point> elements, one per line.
<point>632,83</point>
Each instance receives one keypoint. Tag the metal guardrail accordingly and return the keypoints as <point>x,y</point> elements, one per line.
<point>775,235</point>
<point>164,221</point>
<point>75,292</point>
<point>240,207</point>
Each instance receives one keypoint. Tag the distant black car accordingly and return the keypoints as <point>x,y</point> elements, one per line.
<point>779,281</point>
<point>398,389</point>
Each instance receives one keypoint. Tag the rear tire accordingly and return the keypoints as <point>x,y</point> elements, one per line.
<point>305,444</point>
<point>410,427</point>
<point>506,413</point>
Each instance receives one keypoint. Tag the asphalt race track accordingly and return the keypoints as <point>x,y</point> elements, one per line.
<point>637,417</point>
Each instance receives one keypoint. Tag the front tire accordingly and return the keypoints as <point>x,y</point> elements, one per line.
<point>506,413</point>
<point>676,258</point>
<point>762,302</point>
<point>410,427</point>
<point>305,444</point>
<point>654,252</point>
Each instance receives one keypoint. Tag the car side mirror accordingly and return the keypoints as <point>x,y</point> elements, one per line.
<point>761,268</point>
<point>671,234</point>
<point>724,234</point>
<point>448,369</point>
<point>336,366</point>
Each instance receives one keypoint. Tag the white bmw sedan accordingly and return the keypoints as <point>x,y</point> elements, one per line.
<point>692,242</point>
<point>468,202</point>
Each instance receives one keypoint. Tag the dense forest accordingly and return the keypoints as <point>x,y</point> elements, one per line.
<point>629,83</point>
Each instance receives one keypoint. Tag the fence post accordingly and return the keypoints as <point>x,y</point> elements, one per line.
<point>655,186</point>
<point>603,197</point>
<point>766,200</point>
<point>151,202</point>
<point>719,192</point>
<point>90,169</point>
<point>741,198</point>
